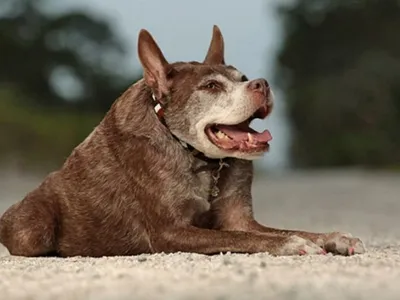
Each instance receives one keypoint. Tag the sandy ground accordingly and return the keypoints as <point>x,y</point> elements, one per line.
<point>368,205</point>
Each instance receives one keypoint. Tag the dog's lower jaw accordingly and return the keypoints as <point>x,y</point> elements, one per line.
<point>241,155</point>
<point>234,154</point>
<point>238,155</point>
<point>212,151</point>
<point>205,141</point>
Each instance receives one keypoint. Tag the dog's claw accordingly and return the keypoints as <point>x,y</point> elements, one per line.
<point>302,252</point>
<point>343,244</point>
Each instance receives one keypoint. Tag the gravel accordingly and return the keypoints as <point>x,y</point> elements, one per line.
<point>365,204</point>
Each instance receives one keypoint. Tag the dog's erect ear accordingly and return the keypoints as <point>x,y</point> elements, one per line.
<point>215,54</point>
<point>154,64</point>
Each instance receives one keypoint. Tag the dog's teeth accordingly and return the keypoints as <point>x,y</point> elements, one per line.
<point>250,137</point>
<point>221,135</point>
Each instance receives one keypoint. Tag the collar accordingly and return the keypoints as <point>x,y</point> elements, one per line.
<point>159,110</point>
<point>160,114</point>
<point>219,164</point>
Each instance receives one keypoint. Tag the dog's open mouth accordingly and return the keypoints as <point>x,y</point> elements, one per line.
<point>240,137</point>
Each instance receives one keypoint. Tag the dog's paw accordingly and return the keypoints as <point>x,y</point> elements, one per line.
<point>295,245</point>
<point>343,244</point>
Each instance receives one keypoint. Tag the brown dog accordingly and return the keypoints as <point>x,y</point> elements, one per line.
<point>168,169</point>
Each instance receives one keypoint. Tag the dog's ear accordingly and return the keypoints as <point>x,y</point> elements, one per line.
<point>215,54</point>
<point>154,64</point>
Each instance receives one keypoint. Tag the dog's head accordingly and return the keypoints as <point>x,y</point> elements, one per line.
<point>208,105</point>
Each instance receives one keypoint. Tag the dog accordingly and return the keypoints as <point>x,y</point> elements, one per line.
<point>168,169</point>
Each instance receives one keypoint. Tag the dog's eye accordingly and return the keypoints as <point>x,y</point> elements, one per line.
<point>244,78</point>
<point>212,85</point>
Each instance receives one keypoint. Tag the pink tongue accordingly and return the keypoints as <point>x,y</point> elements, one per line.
<point>238,134</point>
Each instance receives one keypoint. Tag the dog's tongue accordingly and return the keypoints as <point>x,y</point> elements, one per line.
<point>241,133</point>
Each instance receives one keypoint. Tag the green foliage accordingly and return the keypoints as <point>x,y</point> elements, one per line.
<point>40,52</point>
<point>340,68</point>
<point>35,136</point>
<point>41,118</point>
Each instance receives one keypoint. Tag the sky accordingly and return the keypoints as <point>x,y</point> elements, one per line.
<point>183,29</point>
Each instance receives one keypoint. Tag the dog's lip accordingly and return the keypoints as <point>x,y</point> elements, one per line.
<point>262,112</point>
<point>240,137</point>
<point>243,132</point>
<point>230,145</point>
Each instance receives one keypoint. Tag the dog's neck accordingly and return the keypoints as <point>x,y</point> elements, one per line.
<point>159,110</point>
<point>215,164</point>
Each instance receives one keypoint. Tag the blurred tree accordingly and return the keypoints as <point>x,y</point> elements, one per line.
<point>339,66</point>
<point>59,73</point>
<point>71,59</point>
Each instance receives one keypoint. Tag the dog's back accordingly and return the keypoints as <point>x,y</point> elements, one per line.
<point>84,206</point>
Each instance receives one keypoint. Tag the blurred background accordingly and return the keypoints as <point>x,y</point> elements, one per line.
<point>334,66</point>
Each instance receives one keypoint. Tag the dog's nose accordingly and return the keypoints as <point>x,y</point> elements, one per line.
<point>258,85</point>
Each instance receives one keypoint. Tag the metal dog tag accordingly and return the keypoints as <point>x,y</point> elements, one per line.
<point>215,191</point>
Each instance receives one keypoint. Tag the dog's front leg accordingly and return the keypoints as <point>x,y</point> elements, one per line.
<point>235,213</point>
<point>334,242</point>
<point>233,210</point>
<point>208,241</point>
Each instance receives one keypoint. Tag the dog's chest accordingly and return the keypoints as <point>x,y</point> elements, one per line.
<point>205,181</point>
<point>201,185</point>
